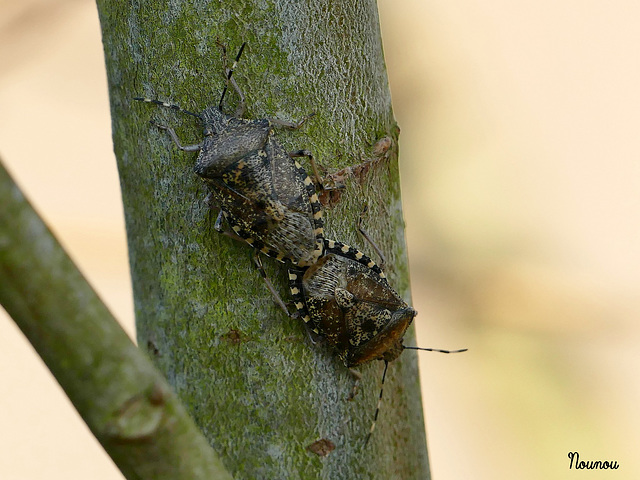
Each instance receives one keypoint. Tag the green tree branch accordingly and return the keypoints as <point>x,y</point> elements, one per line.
<point>124,400</point>
<point>252,380</point>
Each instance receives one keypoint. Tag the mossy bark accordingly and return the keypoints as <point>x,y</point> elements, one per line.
<point>251,378</point>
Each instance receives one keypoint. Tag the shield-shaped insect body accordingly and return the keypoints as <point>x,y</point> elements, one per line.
<point>346,299</point>
<point>266,196</point>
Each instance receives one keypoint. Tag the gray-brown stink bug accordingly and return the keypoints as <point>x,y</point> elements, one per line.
<point>266,196</point>
<point>346,299</point>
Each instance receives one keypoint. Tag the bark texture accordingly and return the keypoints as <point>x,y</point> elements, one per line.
<point>252,380</point>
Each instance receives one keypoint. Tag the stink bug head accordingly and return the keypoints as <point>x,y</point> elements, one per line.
<point>237,140</point>
<point>387,344</point>
<point>214,121</point>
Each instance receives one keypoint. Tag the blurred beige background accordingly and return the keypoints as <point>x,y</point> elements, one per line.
<point>521,181</point>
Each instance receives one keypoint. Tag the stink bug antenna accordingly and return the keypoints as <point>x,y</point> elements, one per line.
<point>384,374</point>
<point>229,74</point>
<point>375,416</point>
<point>435,349</point>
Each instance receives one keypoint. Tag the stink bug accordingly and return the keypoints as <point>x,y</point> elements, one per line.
<point>346,299</point>
<point>265,196</point>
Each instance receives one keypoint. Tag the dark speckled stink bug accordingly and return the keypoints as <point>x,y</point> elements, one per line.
<point>346,299</point>
<point>266,197</point>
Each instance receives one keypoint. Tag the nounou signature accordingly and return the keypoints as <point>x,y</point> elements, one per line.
<point>578,464</point>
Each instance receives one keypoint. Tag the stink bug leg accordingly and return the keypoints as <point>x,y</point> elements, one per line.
<point>365,234</point>
<point>258,263</point>
<point>357,376</point>
<point>185,148</point>
<point>312,162</point>
<point>218,225</point>
<point>292,125</point>
<point>375,415</point>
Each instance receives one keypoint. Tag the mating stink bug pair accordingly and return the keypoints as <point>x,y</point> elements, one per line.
<point>270,202</point>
